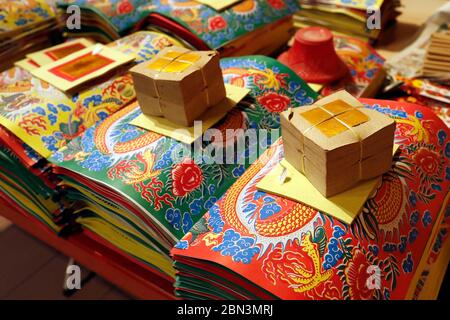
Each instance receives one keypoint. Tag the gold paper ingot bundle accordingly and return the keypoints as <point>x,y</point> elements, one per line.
<point>336,142</point>
<point>179,84</point>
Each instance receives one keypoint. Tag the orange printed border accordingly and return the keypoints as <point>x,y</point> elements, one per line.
<point>59,70</point>
<point>64,51</point>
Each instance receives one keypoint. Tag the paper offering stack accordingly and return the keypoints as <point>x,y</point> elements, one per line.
<point>337,142</point>
<point>179,84</point>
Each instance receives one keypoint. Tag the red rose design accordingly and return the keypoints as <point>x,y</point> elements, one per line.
<point>124,7</point>
<point>427,160</point>
<point>277,4</point>
<point>217,23</point>
<point>186,177</point>
<point>357,276</point>
<point>274,102</point>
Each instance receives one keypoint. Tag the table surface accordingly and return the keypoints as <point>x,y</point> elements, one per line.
<point>414,14</point>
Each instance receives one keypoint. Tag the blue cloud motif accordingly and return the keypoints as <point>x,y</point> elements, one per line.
<point>87,140</point>
<point>182,244</point>
<point>58,157</point>
<point>338,232</point>
<point>187,222</point>
<point>302,98</point>
<point>241,249</point>
<point>333,255</point>
<point>269,210</point>
<point>166,158</point>
<point>52,108</point>
<point>413,235</point>
<point>413,199</point>
<point>102,115</point>
<point>238,171</point>
<point>215,219</point>
<point>419,115</point>
<point>402,245</point>
<point>447,173</point>
<point>210,202</point>
<point>389,247</point>
<point>408,264</point>
<point>442,135</point>
<point>447,149</point>
<point>96,99</point>
<point>293,86</point>
<point>64,107</point>
<point>440,237</point>
<point>426,219</point>
<point>173,216</point>
<point>39,110</point>
<point>374,249</point>
<point>96,161</point>
<point>50,142</point>
<point>196,206</point>
<point>258,195</point>
<point>414,218</point>
<point>250,207</point>
<point>268,199</point>
<point>52,118</point>
<point>211,189</point>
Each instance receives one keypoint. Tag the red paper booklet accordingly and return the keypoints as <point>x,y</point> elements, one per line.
<point>256,245</point>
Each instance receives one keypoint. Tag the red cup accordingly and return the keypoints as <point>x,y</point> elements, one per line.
<point>313,58</point>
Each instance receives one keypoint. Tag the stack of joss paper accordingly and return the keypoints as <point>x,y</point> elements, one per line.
<point>244,27</point>
<point>37,119</point>
<point>257,245</point>
<point>349,17</point>
<point>336,143</point>
<point>137,197</point>
<point>26,26</point>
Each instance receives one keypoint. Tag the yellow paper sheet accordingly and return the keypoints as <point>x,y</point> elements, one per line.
<point>80,67</point>
<point>344,206</point>
<point>187,134</point>
<point>315,86</point>
<point>218,5</point>
<point>26,64</point>
<point>59,51</point>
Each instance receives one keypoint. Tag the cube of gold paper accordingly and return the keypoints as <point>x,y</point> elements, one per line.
<point>336,142</point>
<point>179,84</point>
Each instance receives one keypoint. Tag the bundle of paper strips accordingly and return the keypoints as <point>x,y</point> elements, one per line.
<point>245,27</point>
<point>367,20</point>
<point>410,66</point>
<point>336,143</point>
<point>437,59</point>
<point>26,26</point>
<point>257,245</point>
<point>37,119</point>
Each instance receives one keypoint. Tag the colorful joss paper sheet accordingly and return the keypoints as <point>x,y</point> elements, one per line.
<point>37,119</point>
<point>134,189</point>
<point>212,27</point>
<point>19,14</point>
<point>46,118</point>
<point>218,28</point>
<point>257,245</point>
